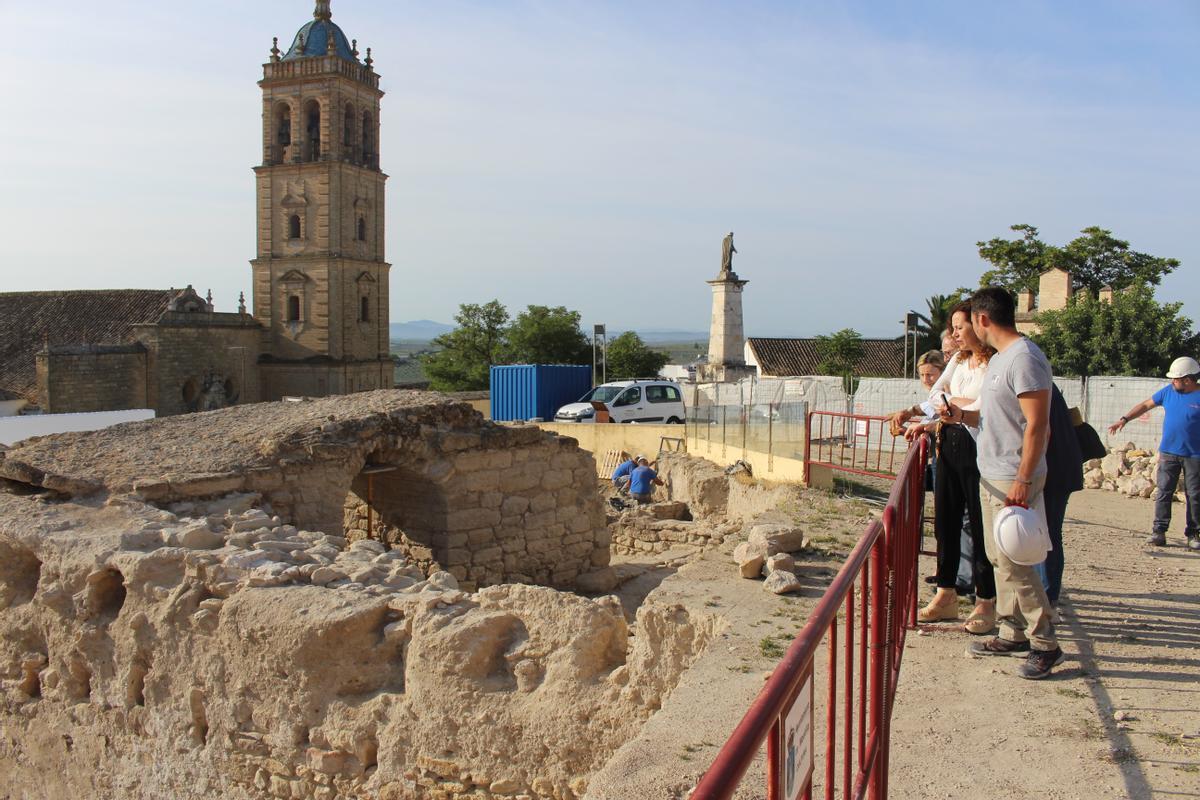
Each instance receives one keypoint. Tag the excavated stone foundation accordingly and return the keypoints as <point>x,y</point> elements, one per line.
<point>183,615</point>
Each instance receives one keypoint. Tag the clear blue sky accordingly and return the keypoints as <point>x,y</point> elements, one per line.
<point>593,155</point>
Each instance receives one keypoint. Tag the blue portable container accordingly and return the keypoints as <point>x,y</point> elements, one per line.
<point>525,391</point>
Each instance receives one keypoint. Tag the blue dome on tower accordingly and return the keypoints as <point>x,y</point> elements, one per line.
<point>313,38</point>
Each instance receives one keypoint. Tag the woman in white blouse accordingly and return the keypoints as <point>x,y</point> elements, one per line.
<point>956,487</point>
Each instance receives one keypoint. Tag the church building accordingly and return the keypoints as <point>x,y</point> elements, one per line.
<point>318,320</point>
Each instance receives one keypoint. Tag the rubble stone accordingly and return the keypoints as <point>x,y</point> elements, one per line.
<point>782,582</point>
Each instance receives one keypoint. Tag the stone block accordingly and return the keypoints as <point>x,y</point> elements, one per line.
<point>554,480</point>
<point>781,582</point>
<point>514,505</point>
<point>488,555</point>
<point>480,537</point>
<point>772,538</point>
<point>473,518</point>
<point>749,560</point>
<point>779,562</point>
<point>543,501</point>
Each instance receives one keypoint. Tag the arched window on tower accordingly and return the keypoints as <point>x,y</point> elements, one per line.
<point>368,139</point>
<point>283,132</point>
<point>364,309</point>
<point>362,229</point>
<point>294,226</point>
<point>312,128</point>
<point>348,130</point>
<point>293,309</point>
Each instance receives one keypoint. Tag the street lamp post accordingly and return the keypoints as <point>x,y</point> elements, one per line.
<point>599,353</point>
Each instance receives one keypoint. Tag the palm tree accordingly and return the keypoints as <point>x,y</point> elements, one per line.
<point>933,323</point>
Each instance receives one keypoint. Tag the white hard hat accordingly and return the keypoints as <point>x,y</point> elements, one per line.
<point>1182,367</point>
<point>1022,535</point>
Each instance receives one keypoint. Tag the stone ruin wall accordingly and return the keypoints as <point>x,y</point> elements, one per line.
<point>521,515</point>
<point>166,633</point>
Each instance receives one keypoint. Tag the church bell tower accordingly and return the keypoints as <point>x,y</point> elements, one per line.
<point>320,278</point>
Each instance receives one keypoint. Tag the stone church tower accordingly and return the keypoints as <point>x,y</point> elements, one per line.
<point>320,279</point>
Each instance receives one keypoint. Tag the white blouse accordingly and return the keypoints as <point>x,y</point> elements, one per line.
<point>960,380</point>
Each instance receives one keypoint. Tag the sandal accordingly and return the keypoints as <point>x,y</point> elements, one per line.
<point>938,613</point>
<point>980,623</point>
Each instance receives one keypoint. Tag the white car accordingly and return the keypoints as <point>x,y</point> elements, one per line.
<point>629,401</point>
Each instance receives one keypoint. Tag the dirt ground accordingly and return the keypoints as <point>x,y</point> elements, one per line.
<point>1119,718</point>
<point>962,727</point>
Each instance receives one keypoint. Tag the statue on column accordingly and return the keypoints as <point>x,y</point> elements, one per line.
<point>727,251</point>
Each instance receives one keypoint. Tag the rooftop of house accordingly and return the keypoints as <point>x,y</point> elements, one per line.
<point>32,321</point>
<point>882,358</point>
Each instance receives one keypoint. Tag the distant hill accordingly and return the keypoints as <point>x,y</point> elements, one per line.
<point>652,336</point>
<point>420,330</point>
<point>423,330</point>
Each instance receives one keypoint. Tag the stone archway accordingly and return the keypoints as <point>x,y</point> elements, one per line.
<point>401,507</point>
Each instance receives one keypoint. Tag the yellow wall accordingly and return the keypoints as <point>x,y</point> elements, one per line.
<point>483,406</point>
<point>633,439</point>
<point>776,468</point>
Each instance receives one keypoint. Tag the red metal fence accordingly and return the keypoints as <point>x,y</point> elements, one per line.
<point>853,443</point>
<point>876,593</point>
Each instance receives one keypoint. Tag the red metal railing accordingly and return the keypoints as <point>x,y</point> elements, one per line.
<point>876,594</point>
<point>853,443</point>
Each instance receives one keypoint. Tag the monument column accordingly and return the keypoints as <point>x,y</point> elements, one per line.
<point>726,335</point>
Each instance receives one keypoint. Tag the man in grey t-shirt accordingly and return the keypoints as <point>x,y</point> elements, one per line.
<point>1014,427</point>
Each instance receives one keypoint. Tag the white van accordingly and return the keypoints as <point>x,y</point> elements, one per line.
<point>654,401</point>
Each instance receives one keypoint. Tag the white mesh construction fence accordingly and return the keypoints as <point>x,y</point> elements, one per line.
<point>878,396</point>
<point>1072,391</point>
<point>1107,398</point>
<point>768,415</point>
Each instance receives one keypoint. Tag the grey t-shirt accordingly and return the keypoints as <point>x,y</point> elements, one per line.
<point>1021,368</point>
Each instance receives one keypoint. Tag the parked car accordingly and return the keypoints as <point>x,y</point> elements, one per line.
<point>643,401</point>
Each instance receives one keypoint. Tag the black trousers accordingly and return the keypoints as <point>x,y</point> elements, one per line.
<point>957,490</point>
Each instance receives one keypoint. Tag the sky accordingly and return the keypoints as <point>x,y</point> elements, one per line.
<point>593,155</point>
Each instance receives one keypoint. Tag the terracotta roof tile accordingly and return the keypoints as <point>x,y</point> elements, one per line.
<point>882,358</point>
<point>30,320</point>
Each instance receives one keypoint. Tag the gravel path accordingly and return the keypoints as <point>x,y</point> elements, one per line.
<point>964,727</point>
<point>1119,718</point>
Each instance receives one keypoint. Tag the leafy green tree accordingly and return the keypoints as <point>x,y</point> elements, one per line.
<point>1132,335</point>
<point>469,351</point>
<point>543,335</point>
<point>1095,260</point>
<point>839,352</point>
<point>629,357</point>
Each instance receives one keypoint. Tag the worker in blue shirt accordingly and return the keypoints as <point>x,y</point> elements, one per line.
<point>620,476</point>
<point>1179,450</point>
<point>642,481</point>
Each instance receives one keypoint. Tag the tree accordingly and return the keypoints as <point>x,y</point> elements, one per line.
<point>1095,260</point>
<point>840,352</point>
<point>628,357</point>
<point>933,322</point>
<point>469,351</point>
<point>1132,335</point>
<point>542,335</point>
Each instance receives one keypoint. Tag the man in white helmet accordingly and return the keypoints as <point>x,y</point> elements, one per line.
<point>1179,450</point>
